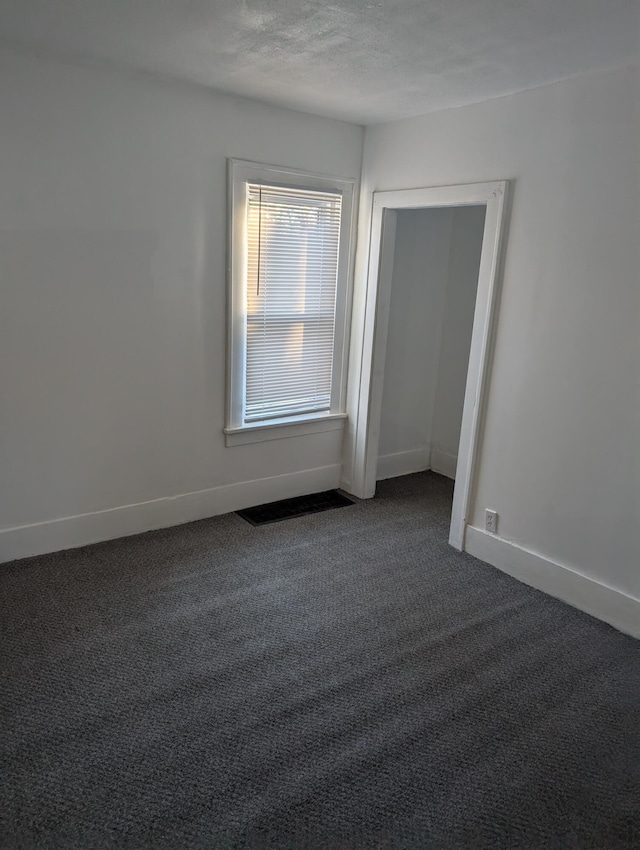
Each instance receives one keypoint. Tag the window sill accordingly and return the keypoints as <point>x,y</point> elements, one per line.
<point>281,429</point>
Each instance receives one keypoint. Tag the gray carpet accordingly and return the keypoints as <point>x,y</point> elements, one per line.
<point>344,680</point>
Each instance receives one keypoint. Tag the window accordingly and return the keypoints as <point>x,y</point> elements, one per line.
<point>289,261</point>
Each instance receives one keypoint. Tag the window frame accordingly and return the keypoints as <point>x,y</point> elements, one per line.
<point>240,173</point>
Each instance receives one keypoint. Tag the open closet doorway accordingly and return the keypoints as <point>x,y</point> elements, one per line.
<point>426,354</point>
<point>436,262</point>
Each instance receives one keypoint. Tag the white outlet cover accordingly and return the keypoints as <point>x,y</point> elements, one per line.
<point>491,521</point>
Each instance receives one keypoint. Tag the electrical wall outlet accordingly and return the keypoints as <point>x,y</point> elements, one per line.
<point>491,521</point>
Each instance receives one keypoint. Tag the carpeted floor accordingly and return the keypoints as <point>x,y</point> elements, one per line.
<point>343,680</point>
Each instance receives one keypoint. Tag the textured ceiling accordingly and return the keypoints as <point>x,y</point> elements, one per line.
<point>360,60</point>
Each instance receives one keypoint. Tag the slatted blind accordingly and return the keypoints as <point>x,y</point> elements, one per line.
<point>292,270</point>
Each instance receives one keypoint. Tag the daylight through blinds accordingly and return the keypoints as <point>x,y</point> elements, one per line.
<point>292,270</point>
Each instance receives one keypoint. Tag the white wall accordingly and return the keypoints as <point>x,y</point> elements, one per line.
<point>112,321</point>
<point>455,338</point>
<point>560,457</point>
<point>418,289</point>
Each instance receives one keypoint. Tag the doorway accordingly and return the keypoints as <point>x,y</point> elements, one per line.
<point>433,293</point>
<point>389,213</point>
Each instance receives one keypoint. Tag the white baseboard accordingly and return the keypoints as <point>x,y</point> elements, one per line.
<point>443,462</point>
<point>613,606</point>
<point>70,532</point>
<point>403,463</point>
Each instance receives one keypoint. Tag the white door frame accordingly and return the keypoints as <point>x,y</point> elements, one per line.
<point>369,373</point>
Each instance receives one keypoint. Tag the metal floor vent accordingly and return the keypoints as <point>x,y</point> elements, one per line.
<point>290,508</point>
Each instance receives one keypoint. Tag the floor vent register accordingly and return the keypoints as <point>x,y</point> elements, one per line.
<point>291,508</point>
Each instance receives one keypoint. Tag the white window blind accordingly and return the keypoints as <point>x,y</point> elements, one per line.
<point>293,238</point>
